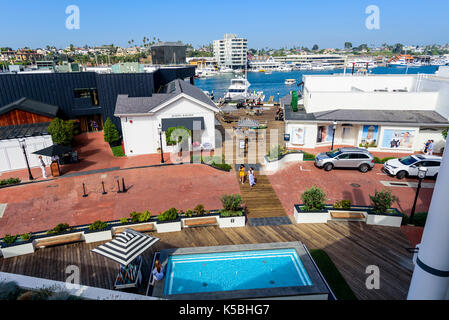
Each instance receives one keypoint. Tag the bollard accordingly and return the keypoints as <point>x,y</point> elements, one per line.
<point>123,185</point>
<point>118,186</point>
<point>104,192</point>
<point>84,191</point>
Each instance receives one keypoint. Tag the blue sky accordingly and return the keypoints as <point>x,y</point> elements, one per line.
<point>328,23</point>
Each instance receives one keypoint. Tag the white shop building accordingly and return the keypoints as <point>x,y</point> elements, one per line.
<point>145,120</point>
<point>386,112</point>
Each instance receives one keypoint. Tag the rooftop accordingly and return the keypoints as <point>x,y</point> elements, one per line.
<point>32,106</point>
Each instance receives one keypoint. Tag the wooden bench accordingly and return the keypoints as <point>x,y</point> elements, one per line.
<point>200,222</point>
<point>347,215</point>
<point>139,228</point>
<point>64,239</point>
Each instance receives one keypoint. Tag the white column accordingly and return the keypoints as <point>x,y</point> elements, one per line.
<point>430,279</point>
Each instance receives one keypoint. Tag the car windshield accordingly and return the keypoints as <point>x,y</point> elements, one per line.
<point>333,153</point>
<point>407,160</point>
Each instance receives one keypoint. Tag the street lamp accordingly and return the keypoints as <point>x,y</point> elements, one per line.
<point>159,128</point>
<point>422,171</point>
<point>334,127</point>
<point>23,146</point>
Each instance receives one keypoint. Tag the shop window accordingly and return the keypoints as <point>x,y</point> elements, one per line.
<point>91,93</point>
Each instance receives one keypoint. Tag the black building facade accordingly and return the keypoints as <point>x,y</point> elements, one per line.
<point>86,95</point>
<point>166,53</point>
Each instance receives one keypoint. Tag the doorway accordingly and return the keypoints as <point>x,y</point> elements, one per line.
<point>87,123</point>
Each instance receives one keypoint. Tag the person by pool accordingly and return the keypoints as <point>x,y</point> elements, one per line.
<point>158,272</point>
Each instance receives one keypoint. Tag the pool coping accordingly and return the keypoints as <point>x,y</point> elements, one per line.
<point>318,288</point>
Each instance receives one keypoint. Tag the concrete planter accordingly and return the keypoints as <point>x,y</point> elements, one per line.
<point>232,222</point>
<point>140,227</point>
<point>97,236</point>
<point>279,164</point>
<point>193,218</point>
<point>310,216</point>
<point>59,239</point>
<point>384,220</point>
<point>15,250</point>
<point>169,226</point>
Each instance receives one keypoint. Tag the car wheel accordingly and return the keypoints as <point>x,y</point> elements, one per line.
<point>401,174</point>
<point>364,168</point>
<point>328,166</point>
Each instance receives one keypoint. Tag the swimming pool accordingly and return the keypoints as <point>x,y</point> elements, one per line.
<point>268,270</point>
<point>235,271</point>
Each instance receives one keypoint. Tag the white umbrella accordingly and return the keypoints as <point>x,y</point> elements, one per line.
<point>126,246</point>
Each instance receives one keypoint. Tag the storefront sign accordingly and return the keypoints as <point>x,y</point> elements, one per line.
<point>398,139</point>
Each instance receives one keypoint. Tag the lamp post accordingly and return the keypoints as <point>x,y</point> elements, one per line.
<point>160,137</point>
<point>422,171</point>
<point>23,146</point>
<point>334,127</point>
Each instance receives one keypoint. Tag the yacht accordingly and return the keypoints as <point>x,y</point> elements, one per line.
<point>226,70</point>
<point>401,61</point>
<point>238,90</point>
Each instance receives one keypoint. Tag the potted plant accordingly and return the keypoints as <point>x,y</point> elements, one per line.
<point>232,214</point>
<point>312,209</point>
<point>98,231</point>
<point>13,246</point>
<point>169,221</point>
<point>139,221</point>
<point>381,212</point>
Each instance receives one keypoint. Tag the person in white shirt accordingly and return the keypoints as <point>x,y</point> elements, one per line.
<point>42,164</point>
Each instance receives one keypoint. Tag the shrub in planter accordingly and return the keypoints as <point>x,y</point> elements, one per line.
<point>199,210</point>
<point>225,213</point>
<point>135,216</point>
<point>145,216</point>
<point>276,152</point>
<point>98,226</point>
<point>405,219</point>
<point>382,201</point>
<point>9,290</point>
<point>175,135</point>
<point>308,156</point>
<point>60,228</point>
<point>231,202</point>
<point>124,220</point>
<point>62,132</point>
<point>342,204</point>
<point>169,215</point>
<point>9,181</point>
<point>313,199</point>
<point>25,236</point>
<point>223,166</point>
<point>9,239</point>
<point>189,213</point>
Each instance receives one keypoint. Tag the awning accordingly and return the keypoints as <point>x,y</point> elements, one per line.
<point>126,246</point>
<point>184,122</point>
<point>54,150</point>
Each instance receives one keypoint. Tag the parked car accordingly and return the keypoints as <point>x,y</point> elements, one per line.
<point>408,166</point>
<point>356,158</point>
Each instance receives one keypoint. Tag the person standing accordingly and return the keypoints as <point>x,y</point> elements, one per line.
<point>430,148</point>
<point>94,125</point>
<point>426,147</point>
<point>242,173</point>
<point>251,177</point>
<point>42,165</point>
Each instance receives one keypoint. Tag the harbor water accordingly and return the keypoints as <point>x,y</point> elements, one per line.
<point>273,84</point>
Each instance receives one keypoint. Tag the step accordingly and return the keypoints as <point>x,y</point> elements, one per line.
<point>270,221</point>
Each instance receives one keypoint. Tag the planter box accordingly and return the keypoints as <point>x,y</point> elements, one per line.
<point>279,164</point>
<point>97,236</point>
<point>232,222</point>
<point>14,250</point>
<point>60,239</point>
<point>204,220</point>
<point>169,226</point>
<point>140,227</point>
<point>384,220</point>
<point>310,216</point>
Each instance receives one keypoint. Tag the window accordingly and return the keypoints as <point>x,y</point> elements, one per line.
<point>430,164</point>
<point>358,156</point>
<point>344,156</point>
<point>91,93</point>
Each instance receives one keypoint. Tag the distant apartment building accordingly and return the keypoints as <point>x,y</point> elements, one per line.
<point>231,52</point>
<point>168,53</point>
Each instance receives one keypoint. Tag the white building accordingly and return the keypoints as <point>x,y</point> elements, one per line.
<point>231,52</point>
<point>387,112</point>
<point>264,63</point>
<point>331,60</point>
<point>178,104</point>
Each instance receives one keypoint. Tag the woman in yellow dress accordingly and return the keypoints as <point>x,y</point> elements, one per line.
<point>242,173</point>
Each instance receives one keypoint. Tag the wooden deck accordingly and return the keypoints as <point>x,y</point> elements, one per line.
<point>351,245</point>
<point>261,201</point>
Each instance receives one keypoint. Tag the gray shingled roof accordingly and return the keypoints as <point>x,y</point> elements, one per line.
<point>141,105</point>
<point>32,106</point>
<point>24,130</point>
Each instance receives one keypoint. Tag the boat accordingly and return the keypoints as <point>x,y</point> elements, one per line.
<point>226,70</point>
<point>268,72</point>
<point>238,90</point>
<point>261,70</point>
<point>401,61</point>
<point>290,82</point>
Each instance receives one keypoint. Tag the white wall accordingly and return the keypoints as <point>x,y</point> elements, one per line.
<point>12,157</point>
<point>310,133</point>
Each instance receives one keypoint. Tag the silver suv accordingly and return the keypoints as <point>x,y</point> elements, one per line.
<point>356,158</point>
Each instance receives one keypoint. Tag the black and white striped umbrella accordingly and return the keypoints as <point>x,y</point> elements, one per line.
<point>248,123</point>
<point>126,246</point>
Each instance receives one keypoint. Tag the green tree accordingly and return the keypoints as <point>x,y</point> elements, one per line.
<point>315,47</point>
<point>348,45</point>
<point>62,132</point>
<point>444,133</point>
<point>111,133</point>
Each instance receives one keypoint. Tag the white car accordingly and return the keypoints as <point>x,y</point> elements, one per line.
<point>408,166</point>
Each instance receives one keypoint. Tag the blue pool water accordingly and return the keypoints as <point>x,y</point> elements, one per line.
<point>212,272</point>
